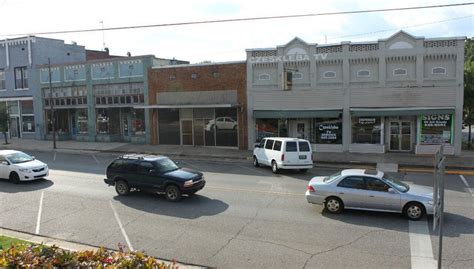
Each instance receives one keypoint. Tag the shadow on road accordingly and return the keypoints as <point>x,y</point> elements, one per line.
<point>455,225</point>
<point>188,208</point>
<point>24,186</point>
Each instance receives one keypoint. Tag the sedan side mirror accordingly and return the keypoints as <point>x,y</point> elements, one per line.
<point>257,146</point>
<point>391,190</point>
<point>5,163</point>
<point>33,157</point>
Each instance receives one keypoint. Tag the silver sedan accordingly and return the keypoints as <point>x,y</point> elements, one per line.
<point>370,190</point>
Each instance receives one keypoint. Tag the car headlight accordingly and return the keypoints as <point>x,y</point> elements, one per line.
<point>188,183</point>
<point>24,170</point>
<point>430,202</point>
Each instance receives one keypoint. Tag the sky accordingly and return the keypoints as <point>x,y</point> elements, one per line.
<point>225,41</point>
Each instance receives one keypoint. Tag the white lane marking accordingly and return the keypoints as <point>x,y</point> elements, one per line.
<point>467,185</point>
<point>420,245</point>
<point>95,158</point>
<point>121,227</point>
<point>38,220</point>
<point>54,156</point>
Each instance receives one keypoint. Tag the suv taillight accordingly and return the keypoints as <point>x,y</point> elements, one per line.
<point>310,188</point>
<point>282,157</point>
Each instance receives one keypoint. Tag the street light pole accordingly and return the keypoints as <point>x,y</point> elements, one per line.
<point>52,105</point>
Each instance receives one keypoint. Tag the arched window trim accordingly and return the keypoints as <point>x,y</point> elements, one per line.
<point>326,74</point>
<point>396,69</point>
<point>264,76</point>
<point>438,67</point>
<point>363,76</point>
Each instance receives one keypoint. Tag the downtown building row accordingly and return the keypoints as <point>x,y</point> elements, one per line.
<point>401,94</point>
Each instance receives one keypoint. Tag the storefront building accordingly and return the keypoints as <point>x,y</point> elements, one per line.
<point>400,94</point>
<point>18,60</point>
<point>199,105</point>
<point>94,100</point>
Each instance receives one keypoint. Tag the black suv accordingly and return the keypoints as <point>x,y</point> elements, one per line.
<point>154,174</point>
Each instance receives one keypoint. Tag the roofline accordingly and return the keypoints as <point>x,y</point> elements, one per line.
<point>114,59</point>
<point>196,65</point>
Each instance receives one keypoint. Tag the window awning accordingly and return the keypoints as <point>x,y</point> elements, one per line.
<point>362,112</point>
<point>187,106</point>
<point>279,114</point>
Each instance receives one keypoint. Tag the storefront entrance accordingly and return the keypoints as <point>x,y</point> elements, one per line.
<point>300,129</point>
<point>125,125</point>
<point>400,136</point>
<point>15,127</point>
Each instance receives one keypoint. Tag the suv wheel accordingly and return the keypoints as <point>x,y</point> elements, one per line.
<point>172,193</point>
<point>255,162</point>
<point>122,188</point>
<point>274,167</point>
<point>14,178</point>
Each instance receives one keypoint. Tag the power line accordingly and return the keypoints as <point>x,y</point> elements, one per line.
<point>243,19</point>
<point>402,27</point>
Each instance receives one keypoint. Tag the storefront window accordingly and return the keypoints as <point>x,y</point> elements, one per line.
<point>266,128</point>
<point>61,122</point>
<point>226,127</point>
<point>138,122</point>
<point>436,129</point>
<point>282,128</point>
<point>103,120</point>
<point>168,127</point>
<point>13,108</point>
<point>204,132</point>
<point>27,107</point>
<point>28,124</point>
<point>366,130</point>
<point>327,131</point>
<point>82,121</point>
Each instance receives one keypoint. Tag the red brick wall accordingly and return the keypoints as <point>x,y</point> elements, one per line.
<point>230,77</point>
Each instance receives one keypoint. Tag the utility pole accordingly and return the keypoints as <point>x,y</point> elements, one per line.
<point>52,105</point>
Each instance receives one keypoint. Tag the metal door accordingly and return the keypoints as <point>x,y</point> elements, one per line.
<point>186,132</point>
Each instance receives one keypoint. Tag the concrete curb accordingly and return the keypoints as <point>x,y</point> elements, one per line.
<point>73,246</point>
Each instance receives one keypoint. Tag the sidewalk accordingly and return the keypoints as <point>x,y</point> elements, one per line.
<point>72,246</point>
<point>407,160</point>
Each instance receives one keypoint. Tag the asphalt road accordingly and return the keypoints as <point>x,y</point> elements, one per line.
<point>245,217</point>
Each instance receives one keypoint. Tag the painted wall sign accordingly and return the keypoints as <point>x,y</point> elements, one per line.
<point>288,58</point>
<point>436,129</point>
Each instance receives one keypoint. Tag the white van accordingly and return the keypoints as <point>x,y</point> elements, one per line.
<point>283,153</point>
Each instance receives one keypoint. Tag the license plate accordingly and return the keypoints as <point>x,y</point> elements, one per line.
<point>302,157</point>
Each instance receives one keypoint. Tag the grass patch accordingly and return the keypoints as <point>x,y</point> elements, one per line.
<point>6,242</point>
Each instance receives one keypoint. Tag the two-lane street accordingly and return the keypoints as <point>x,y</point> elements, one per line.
<point>245,217</point>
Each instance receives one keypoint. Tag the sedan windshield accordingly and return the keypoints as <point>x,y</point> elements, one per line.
<point>166,165</point>
<point>19,157</point>
<point>332,177</point>
<point>396,183</point>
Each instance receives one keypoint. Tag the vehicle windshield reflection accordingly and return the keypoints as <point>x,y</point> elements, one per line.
<point>19,157</point>
<point>166,165</point>
<point>397,184</point>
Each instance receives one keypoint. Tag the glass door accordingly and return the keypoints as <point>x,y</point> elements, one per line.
<point>400,136</point>
<point>125,126</point>
<point>14,127</point>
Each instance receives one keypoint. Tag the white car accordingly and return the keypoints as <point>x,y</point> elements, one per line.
<point>283,153</point>
<point>19,166</point>
<point>223,123</point>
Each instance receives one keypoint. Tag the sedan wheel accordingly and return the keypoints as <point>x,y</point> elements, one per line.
<point>333,205</point>
<point>414,211</point>
<point>14,178</point>
<point>172,193</point>
<point>121,187</point>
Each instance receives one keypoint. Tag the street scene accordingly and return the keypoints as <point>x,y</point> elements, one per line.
<point>244,217</point>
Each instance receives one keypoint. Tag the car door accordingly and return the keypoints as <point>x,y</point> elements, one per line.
<point>378,196</point>
<point>268,151</point>
<point>147,178</point>
<point>4,168</point>
<point>352,190</point>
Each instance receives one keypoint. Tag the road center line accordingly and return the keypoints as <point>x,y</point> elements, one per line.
<point>38,220</point>
<point>467,185</point>
<point>121,226</point>
<point>95,158</point>
<point>420,245</point>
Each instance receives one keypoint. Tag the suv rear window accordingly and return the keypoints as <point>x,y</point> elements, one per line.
<point>117,165</point>
<point>304,146</point>
<point>269,144</point>
<point>291,147</point>
<point>277,146</point>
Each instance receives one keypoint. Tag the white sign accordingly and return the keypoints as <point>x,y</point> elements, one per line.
<point>288,58</point>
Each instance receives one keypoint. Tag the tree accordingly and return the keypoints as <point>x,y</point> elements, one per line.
<point>4,120</point>
<point>469,87</point>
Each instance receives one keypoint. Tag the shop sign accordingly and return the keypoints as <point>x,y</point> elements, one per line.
<point>366,120</point>
<point>288,58</point>
<point>328,131</point>
<point>437,120</point>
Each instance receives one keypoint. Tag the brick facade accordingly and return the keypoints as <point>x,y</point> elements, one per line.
<point>202,78</point>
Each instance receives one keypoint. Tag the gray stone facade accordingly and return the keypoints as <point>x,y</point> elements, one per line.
<point>402,93</point>
<point>18,60</point>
